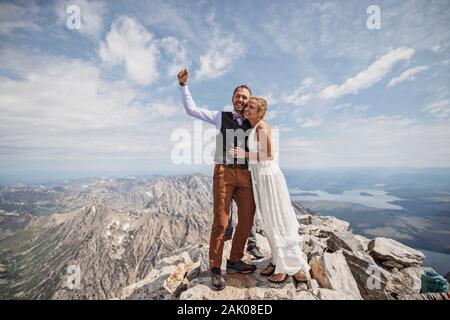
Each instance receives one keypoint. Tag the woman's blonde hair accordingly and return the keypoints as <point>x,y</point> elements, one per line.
<point>262,104</point>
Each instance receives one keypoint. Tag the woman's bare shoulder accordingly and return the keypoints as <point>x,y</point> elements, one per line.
<point>264,126</point>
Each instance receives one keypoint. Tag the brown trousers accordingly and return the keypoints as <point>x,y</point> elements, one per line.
<point>226,182</point>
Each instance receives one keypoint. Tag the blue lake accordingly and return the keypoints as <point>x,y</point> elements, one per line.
<point>438,261</point>
<point>375,198</point>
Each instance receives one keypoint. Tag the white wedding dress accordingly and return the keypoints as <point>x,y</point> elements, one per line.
<point>274,208</point>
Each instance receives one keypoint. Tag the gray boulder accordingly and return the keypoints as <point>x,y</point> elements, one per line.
<point>395,254</point>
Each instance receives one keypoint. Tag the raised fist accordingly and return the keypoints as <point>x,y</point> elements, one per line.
<point>183,76</point>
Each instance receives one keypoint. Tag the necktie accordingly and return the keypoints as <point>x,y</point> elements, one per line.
<point>238,117</point>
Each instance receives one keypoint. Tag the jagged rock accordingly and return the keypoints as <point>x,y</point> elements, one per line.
<point>150,284</point>
<point>184,257</point>
<point>304,219</point>
<point>312,246</point>
<point>342,275</point>
<point>391,264</point>
<point>199,292</point>
<point>327,294</point>
<point>332,272</point>
<point>302,287</point>
<point>309,229</point>
<point>406,281</point>
<point>363,241</point>
<point>102,227</point>
<point>370,278</point>
<point>239,287</point>
<point>304,295</point>
<point>263,245</point>
<point>385,249</point>
<point>334,224</point>
<point>345,241</point>
<point>322,227</point>
<point>183,286</point>
<point>301,210</point>
<point>313,286</point>
<point>195,271</point>
<point>169,277</point>
<point>317,271</point>
<point>198,253</point>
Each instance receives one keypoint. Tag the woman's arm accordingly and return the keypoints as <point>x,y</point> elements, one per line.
<point>263,135</point>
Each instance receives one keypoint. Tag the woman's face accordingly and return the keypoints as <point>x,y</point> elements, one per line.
<point>251,111</point>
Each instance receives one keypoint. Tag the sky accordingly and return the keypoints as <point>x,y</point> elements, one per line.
<point>104,97</point>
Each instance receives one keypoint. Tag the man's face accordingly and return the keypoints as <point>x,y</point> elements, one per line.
<point>240,99</point>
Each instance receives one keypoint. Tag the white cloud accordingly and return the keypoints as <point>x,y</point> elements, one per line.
<point>366,78</point>
<point>323,7</point>
<point>300,96</point>
<point>376,141</point>
<point>437,48</point>
<point>13,17</point>
<point>91,14</point>
<point>176,19</point>
<point>271,114</point>
<point>64,109</point>
<point>129,43</point>
<point>162,110</point>
<point>310,122</point>
<point>440,109</point>
<point>179,53</point>
<point>342,106</point>
<point>222,53</point>
<point>298,144</point>
<point>407,75</point>
<point>351,107</point>
<point>338,30</point>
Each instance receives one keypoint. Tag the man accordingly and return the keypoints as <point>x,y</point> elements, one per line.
<point>231,178</point>
<point>252,247</point>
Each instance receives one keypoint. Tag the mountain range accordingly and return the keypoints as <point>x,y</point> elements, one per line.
<point>103,238</point>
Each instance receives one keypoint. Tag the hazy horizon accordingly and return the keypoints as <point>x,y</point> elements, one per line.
<point>49,175</point>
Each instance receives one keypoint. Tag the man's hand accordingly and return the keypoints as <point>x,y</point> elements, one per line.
<point>183,76</point>
<point>238,153</point>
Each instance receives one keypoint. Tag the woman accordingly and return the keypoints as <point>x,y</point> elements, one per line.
<point>273,204</point>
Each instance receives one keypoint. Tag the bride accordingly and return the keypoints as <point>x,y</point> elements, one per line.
<point>273,204</point>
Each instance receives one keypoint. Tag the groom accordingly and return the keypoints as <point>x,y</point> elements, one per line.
<point>230,178</point>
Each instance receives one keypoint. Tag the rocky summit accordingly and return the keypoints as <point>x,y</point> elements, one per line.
<point>344,266</point>
<point>147,238</point>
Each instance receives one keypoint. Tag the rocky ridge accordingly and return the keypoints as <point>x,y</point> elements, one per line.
<point>344,266</point>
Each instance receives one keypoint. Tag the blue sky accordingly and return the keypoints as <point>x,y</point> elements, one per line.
<point>341,95</point>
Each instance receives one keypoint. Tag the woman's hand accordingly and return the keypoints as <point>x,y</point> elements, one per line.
<point>237,153</point>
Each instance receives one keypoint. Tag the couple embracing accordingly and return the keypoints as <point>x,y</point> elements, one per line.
<point>246,169</point>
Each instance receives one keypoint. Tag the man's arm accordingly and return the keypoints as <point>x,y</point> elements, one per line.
<point>213,117</point>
